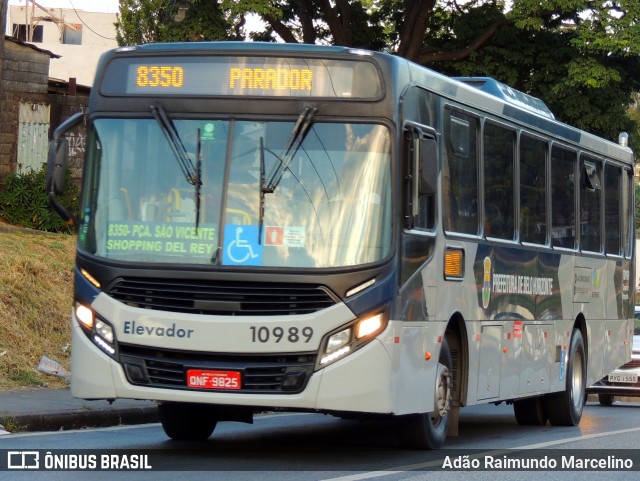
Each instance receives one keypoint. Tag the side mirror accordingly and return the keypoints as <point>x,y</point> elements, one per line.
<point>57,161</point>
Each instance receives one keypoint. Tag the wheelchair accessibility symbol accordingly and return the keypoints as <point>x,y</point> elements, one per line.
<point>241,246</point>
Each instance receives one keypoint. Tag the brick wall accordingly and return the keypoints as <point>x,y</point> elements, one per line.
<point>25,78</point>
<point>25,70</point>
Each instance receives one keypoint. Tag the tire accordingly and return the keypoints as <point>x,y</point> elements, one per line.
<point>530,412</point>
<point>187,422</point>
<point>565,408</point>
<point>429,430</point>
<point>606,399</point>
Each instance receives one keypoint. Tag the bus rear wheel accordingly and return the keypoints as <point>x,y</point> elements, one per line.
<point>429,430</point>
<point>606,399</point>
<point>187,421</point>
<point>565,408</point>
<point>530,411</point>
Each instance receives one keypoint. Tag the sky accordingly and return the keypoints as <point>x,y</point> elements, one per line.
<point>105,6</point>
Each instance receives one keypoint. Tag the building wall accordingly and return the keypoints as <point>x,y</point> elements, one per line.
<point>25,70</point>
<point>3,18</point>
<point>24,81</point>
<point>76,61</point>
<point>24,78</point>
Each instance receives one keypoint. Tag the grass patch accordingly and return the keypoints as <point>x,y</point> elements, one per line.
<point>11,425</point>
<point>36,292</point>
<point>26,378</point>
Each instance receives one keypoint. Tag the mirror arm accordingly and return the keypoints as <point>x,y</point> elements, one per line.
<point>55,169</point>
<point>59,209</point>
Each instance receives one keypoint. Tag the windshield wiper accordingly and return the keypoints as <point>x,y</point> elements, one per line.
<point>191,174</point>
<point>198,184</point>
<point>298,133</point>
<point>262,191</point>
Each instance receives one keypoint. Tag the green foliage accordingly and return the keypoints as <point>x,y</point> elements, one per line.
<point>24,202</point>
<point>581,57</point>
<point>548,51</point>
<point>149,21</point>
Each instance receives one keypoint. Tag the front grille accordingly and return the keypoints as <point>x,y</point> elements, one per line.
<point>262,373</point>
<point>221,297</point>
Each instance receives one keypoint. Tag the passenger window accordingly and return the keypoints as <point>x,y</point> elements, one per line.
<point>590,202</point>
<point>460,173</point>
<point>563,204</point>
<point>612,190</point>
<point>533,174</point>
<point>499,198</point>
<point>628,224</point>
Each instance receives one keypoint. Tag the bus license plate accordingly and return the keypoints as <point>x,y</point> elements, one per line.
<point>626,378</point>
<point>204,379</point>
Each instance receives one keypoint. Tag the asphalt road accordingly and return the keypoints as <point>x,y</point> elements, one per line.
<point>318,448</point>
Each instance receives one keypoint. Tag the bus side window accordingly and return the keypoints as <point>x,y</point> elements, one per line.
<point>460,173</point>
<point>612,217</point>
<point>533,188</point>
<point>499,157</point>
<point>590,204</point>
<point>563,185</point>
<point>421,180</point>
<point>627,213</point>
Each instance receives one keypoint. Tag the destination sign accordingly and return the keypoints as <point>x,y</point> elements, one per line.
<point>241,76</point>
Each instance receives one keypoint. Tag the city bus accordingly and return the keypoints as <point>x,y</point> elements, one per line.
<point>326,229</point>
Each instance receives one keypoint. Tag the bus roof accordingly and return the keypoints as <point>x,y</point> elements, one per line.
<point>238,46</point>
<point>483,93</point>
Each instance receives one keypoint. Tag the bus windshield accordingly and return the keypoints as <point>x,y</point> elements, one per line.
<point>330,206</point>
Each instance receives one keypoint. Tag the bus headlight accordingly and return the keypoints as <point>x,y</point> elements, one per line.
<point>336,341</point>
<point>350,338</point>
<point>84,316</point>
<point>99,331</point>
<point>105,331</point>
<point>370,325</point>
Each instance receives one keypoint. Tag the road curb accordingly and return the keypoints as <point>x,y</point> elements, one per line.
<point>84,419</point>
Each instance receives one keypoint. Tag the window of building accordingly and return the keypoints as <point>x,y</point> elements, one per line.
<point>72,34</point>
<point>28,33</point>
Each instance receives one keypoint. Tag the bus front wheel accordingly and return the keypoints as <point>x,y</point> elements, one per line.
<point>429,430</point>
<point>187,421</point>
<point>565,408</point>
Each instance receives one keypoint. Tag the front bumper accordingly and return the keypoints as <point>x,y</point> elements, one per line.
<point>360,382</point>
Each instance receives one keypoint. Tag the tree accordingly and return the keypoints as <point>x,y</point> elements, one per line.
<point>585,77</point>
<point>580,56</point>
<point>149,21</point>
